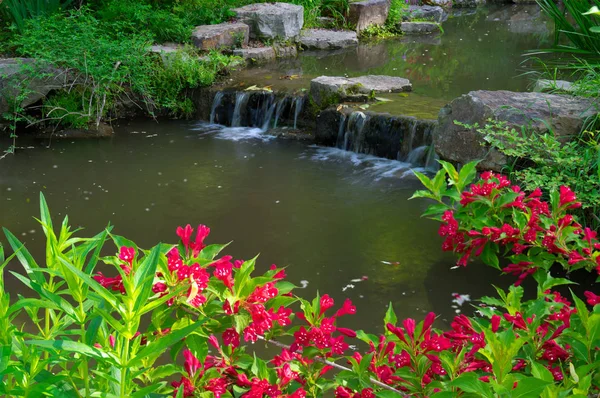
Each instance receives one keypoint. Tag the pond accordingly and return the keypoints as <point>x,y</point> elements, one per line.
<point>332,217</point>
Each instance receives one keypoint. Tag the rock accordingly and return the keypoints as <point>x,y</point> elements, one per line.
<point>256,55</point>
<point>328,90</point>
<point>468,3</point>
<point>18,74</point>
<point>328,126</point>
<point>565,114</point>
<point>272,20</point>
<point>428,13</point>
<point>322,39</point>
<point>282,51</point>
<point>209,37</point>
<point>545,85</point>
<point>431,40</point>
<point>419,28</point>
<point>368,12</point>
<point>168,52</point>
<point>446,4</point>
<point>326,22</point>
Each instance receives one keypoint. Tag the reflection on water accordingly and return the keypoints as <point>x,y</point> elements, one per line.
<point>482,50</point>
<point>330,216</point>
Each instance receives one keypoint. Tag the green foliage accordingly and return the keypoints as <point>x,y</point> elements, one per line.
<point>541,160</point>
<point>68,108</point>
<point>397,9</point>
<point>19,12</point>
<point>576,30</point>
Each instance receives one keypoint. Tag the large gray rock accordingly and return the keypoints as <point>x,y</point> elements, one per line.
<point>368,12</point>
<point>546,85</point>
<point>256,55</point>
<point>29,81</point>
<point>419,28</point>
<point>272,20</point>
<point>322,39</point>
<point>565,114</point>
<point>328,90</point>
<point>283,51</point>
<point>210,37</point>
<point>427,13</point>
<point>468,3</point>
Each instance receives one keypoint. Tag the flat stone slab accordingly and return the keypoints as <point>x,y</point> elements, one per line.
<point>419,28</point>
<point>428,13</point>
<point>536,111</point>
<point>368,12</point>
<point>257,55</point>
<point>272,20</point>
<point>468,3</point>
<point>282,51</point>
<point>545,85</point>
<point>323,39</point>
<point>328,90</point>
<point>210,37</point>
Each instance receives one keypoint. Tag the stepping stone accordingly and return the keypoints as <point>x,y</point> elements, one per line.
<point>427,13</point>
<point>368,12</point>
<point>323,39</point>
<point>256,55</point>
<point>419,28</point>
<point>272,20</point>
<point>329,90</point>
<point>282,51</point>
<point>210,37</point>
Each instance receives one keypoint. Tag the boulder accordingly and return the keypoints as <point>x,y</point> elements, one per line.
<point>564,114</point>
<point>256,55</point>
<point>168,52</point>
<point>103,130</point>
<point>328,90</point>
<point>546,85</point>
<point>428,13</point>
<point>419,28</point>
<point>282,51</point>
<point>468,3</point>
<point>210,37</point>
<point>368,12</point>
<point>322,39</point>
<point>441,3</point>
<point>25,75</point>
<point>272,20</point>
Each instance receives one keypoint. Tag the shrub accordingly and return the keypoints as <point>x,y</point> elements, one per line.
<point>541,160</point>
<point>19,12</point>
<point>91,334</point>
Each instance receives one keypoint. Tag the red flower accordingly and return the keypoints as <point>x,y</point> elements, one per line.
<point>231,338</point>
<point>217,386</point>
<point>495,322</point>
<point>517,321</point>
<point>326,303</point>
<point>191,364</point>
<point>592,299</point>
<point>127,254</point>
<point>338,345</point>
<point>347,309</point>
<point>567,197</point>
<point>188,387</point>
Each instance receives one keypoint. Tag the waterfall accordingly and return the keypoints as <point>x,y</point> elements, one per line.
<point>216,102</point>
<point>297,109</point>
<point>417,156</point>
<point>268,115</point>
<point>241,100</point>
<point>340,136</point>
<point>354,132</point>
<point>431,161</point>
<point>279,109</point>
<point>411,137</point>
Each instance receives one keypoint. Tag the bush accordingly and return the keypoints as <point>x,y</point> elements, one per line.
<point>19,12</point>
<point>540,160</point>
<point>88,334</point>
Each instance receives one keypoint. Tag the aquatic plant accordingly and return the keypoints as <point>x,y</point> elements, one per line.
<point>116,325</point>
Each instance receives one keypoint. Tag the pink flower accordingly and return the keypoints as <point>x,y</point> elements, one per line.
<point>231,338</point>
<point>347,309</point>
<point>191,364</point>
<point>217,386</point>
<point>338,345</point>
<point>495,322</point>
<point>188,387</point>
<point>127,254</point>
<point>592,299</point>
<point>567,197</point>
<point>326,303</point>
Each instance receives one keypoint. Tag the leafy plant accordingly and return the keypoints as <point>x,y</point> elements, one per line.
<point>19,11</point>
<point>541,160</point>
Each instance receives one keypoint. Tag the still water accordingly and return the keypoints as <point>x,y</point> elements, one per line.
<point>479,49</point>
<point>330,216</point>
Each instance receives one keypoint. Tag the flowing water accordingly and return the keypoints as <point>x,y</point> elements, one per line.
<point>332,216</point>
<point>480,49</point>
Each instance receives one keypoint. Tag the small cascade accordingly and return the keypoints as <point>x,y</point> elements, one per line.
<point>340,136</point>
<point>297,109</point>
<point>268,115</point>
<point>241,100</point>
<point>411,138</point>
<point>216,103</point>
<point>431,161</point>
<point>418,155</point>
<point>279,109</point>
<point>354,131</point>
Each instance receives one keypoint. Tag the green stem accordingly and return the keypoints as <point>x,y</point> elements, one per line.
<point>124,361</point>
<point>84,369</point>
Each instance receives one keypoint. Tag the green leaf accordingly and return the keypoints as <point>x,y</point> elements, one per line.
<point>143,278</point>
<point>163,343</point>
<point>198,345</point>
<point>390,316</point>
<point>540,371</point>
<point>25,258</point>
<point>45,212</point>
<point>582,311</point>
<point>211,251</point>
<point>489,255</point>
<point>285,287</point>
<point>73,346</point>
<point>424,180</point>
<point>467,174</point>
<point>469,382</point>
<point>98,288</point>
<point>529,387</point>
